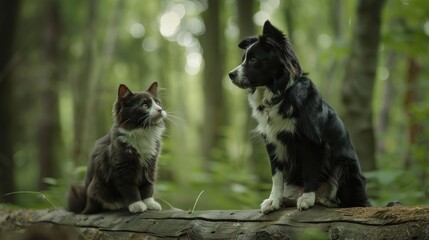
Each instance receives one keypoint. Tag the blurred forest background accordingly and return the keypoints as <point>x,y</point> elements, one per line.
<point>62,61</point>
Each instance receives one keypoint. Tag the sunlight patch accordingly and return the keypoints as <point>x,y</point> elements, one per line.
<point>137,30</point>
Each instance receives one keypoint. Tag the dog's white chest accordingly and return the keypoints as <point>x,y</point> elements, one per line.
<point>270,121</point>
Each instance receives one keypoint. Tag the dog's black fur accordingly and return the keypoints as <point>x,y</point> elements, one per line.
<point>309,148</point>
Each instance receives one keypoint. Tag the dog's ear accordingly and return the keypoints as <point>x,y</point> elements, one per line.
<point>247,42</point>
<point>272,32</point>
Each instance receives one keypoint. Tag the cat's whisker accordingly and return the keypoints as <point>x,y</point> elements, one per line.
<point>143,123</point>
<point>173,120</point>
<point>124,122</point>
<point>255,135</point>
<point>146,123</point>
<point>169,115</point>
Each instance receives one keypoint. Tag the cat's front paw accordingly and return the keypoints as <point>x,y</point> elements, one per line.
<point>270,204</point>
<point>306,201</point>
<point>152,204</point>
<point>137,207</point>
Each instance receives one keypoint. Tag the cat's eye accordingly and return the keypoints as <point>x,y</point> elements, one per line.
<point>145,106</point>
<point>253,60</point>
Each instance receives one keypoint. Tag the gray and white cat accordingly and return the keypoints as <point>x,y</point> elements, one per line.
<point>122,166</point>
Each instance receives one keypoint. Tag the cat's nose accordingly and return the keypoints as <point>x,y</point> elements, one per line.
<point>159,110</point>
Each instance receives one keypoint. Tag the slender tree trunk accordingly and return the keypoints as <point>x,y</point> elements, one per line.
<point>386,103</point>
<point>289,17</point>
<point>8,16</point>
<point>214,103</point>
<point>336,13</point>
<point>80,86</point>
<point>49,133</point>
<point>103,71</point>
<point>258,157</point>
<point>359,78</point>
<point>95,68</point>
<point>245,11</point>
<point>414,128</point>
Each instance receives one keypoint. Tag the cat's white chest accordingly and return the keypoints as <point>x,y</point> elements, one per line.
<point>144,141</point>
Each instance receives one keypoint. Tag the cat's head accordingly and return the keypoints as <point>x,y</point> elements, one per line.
<point>138,110</point>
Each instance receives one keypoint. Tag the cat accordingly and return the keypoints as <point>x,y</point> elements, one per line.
<point>122,166</point>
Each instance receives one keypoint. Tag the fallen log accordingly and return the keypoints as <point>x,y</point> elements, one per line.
<point>397,222</point>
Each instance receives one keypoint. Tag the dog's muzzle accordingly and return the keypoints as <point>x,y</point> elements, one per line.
<point>237,77</point>
<point>233,74</point>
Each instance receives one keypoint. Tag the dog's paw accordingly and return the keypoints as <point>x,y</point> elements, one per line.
<point>327,203</point>
<point>270,204</point>
<point>152,204</point>
<point>137,207</point>
<point>306,201</point>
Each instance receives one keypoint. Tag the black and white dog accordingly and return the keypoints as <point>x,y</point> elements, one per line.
<point>312,157</point>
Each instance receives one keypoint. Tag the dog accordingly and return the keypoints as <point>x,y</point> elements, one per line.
<point>312,157</point>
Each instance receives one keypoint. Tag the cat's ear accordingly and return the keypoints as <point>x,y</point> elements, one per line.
<point>124,91</point>
<point>153,89</point>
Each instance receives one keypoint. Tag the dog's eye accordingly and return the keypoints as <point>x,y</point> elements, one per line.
<point>253,60</point>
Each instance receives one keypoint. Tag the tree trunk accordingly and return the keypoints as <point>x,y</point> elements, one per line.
<point>411,94</point>
<point>49,132</point>
<point>359,78</point>
<point>95,68</point>
<point>386,106</point>
<point>289,18</point>
<point>317,223</point>
<point>328,88</point>
<point>80,86</point>
<point>99,74</point>
<point>258,157</point>
<point>8,16</point>
<point>214,103</point>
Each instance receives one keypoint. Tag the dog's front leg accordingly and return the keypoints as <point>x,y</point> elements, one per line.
<point>276,195</point>
<point>312,167</point>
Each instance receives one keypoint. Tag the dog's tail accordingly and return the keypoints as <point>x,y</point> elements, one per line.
<point>76,199</point>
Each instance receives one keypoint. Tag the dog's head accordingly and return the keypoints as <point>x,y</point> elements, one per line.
<point>268,60</point>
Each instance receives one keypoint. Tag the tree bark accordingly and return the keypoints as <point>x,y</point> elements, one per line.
<point>258,157</point>
<point>388,93</point>
<point>411,94</point>
<point>289,18</point>
<point>80,86</point>
<point>214,103</point>
<point>336,20</point>
<point>49,133</point>
<point>358,85</point>
<point>317,223</point>
<point>8,16</point>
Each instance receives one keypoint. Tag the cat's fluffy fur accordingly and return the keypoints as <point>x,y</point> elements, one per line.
<point>122,167</point>
<point>312,157</point>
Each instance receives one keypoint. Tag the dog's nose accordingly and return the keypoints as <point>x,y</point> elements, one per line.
<point>232,75</point>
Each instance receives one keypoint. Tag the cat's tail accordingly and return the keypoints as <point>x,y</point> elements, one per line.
<point>76,199</point>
